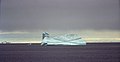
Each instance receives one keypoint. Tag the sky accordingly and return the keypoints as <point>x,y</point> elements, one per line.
<point>37,15</point>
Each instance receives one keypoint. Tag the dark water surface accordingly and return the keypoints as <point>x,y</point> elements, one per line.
<point>94,52</point>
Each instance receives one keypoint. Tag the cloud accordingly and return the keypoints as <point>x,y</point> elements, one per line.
<point>29,15</point>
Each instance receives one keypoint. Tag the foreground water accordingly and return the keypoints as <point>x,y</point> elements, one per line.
<point>92,52</point>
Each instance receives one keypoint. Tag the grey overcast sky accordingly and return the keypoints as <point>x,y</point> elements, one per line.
<point>34,15</point>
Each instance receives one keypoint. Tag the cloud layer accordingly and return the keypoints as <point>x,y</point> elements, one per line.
<point>33,15</point>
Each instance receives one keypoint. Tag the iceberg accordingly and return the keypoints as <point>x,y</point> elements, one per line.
<point>67,39</point>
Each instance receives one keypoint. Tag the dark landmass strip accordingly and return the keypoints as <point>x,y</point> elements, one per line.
<point>92,52</point>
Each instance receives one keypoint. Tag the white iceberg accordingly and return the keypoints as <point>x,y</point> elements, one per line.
<point>67,39</point>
